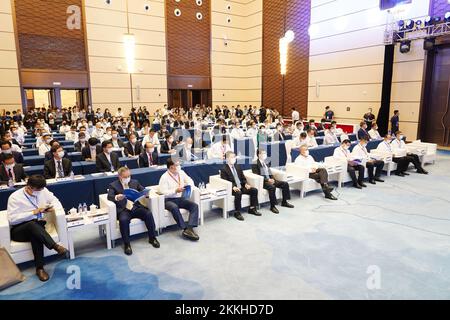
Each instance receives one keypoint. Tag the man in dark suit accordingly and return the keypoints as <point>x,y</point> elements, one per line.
<point>395,126</point>
<point>262,114</point>
<point>126,210</point>
<point>6,148</point>
<point>107,161</point>
<point>233,173</point>
<point>168,145</point>
<point>186,153</point>
<point>148,157</point>
<point>49,154</point>
<point>90,152</point>
<point>362,132</point>
<point>10,170</point>
<point>261,168</point>
<point>58,167</point>
<point>133,147</point>
<point>115,140</point>
<point>81,143</point>
<point>279,134</point>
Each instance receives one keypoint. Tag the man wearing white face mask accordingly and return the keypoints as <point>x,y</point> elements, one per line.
<point>360,152</point>
<point>24,210</point>
<point>343,152</point>
<point>127,210</point>
<point>186,152</point>
<point>317,173</point>
<point>45,147</point>
<point>270,184</point>
<point>172,185</point>
<point>398,143</point>
<point>133,147</point>
<point>107,161</point>
<point>233,173</point>
<point>10,170</point>
<point>58,167</point>
<point>148,157</point>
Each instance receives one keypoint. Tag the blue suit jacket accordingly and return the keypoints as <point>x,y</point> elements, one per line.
<point>363,133</point>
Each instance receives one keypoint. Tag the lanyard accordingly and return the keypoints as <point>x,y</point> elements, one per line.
<point>179,178</point>
<point>388,145</point>
<point>29,199</point>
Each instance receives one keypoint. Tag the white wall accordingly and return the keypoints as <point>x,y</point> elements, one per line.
<point>9,74</point>
<point>346,60</point>
<point>110,82</point>
<point>237,68</point>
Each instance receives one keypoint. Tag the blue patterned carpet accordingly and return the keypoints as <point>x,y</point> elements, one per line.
<point>319,250</point>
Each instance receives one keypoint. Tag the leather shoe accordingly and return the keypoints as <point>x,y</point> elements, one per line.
<point>379,180</point>
<point>287,205</point>
<point>190,234</point>
<point>254,212</point>
<point>405,173</point>
<point>274,210</point>
<point>154,242</point>
<point>60,249</point>
<point>422,171</point>
<point>330,196</point>
<point>372,181</point>
<point>327,187</point>
<point>127,250</point>
<point>357,186</point>
<point>400,174</point>
<point>42,274</point>
<point>238,216</point>
<point>362,184</point>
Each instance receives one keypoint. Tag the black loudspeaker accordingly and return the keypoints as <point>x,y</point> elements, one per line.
<point>405,46</point>
<point>428,44</point>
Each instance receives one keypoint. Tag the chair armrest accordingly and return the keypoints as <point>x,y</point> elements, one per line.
<point>110,207</point>
<point>216,182</point>
<point>195,196</point>
<point>155,204</point>
<point>297,171</point>
<point>61,226</point>
<point>5,233</point>
<point>279,175</point>
<point>254,180</point>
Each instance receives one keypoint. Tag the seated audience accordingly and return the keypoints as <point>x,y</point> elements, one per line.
<point>6,148</point>
<point>90,152</point>
<point>58,167</point>
<point>399,143</point>
<point>24,210</point>
<point>168,146</point>
<point>10,170</point>
<point>133,148</point>
<point>128,210</point>
<point>374,167</point>
<point>219,149</point>
<point>81,143</point>
<point>148,156</point>
<point>343,153</point>
<point>262,168</point>
<point>362,132</point>
<point>233,172</point>
<point>107,161</point>
<point>374,134</point>
<point>72,135</point>
<point>172,185</point>
<point>316,172</point>
<point>401,161</point>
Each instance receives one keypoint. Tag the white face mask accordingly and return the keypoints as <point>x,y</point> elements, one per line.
<point>263,157</point>
<point>108,151</point>
<point>306,153</point>
<point>126,180</point>
<point>82,140</point>
<point>61,154</point>
<point>232,161</point>
<point>346,147</point>
<point>171,140</point>
<point>115,135</point>
<point>133,141</point>
<point>178,169</point>
<point>151,150</point>
<point>7,151</point>
<point>189,145</point>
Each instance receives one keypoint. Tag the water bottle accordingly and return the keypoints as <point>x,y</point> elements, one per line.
<point>80,208</point>
<point>85,208</point>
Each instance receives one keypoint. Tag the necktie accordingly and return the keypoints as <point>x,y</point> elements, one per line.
<point>110,163</point>
<point>236,177</point>
<point>60,170</point>
<point>10,174</point>
<point>150,160</point>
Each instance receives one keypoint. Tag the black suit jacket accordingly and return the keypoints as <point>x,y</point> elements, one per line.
<point>86,152</point>
<point>116,188</point>
<point>103,165</point>
<point>143,159</point>
<point>129,148</point>
<point>363,133</point>
<point>18,157</point>
<point>79,147</point>
<point>226,174</point>
<point>19,173</point>
<point>120,143</point>
<point>257,169</point>
<point>50,168</point>
<point>279,136</point>
<point>165,146</point>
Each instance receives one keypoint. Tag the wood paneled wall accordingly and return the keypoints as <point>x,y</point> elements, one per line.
<point>188,44</point>
<point>278,17</point>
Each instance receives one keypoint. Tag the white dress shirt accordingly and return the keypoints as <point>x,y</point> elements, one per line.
<point>297,132</point>
<point>374,134</point>
<point>252,132</point>
<point>307,162</point>
<point>237,133</point>
<point>311,142</point>
<point>295,116</point>
<point>169,183</point>
<point>385,147</point>
<point>218,150</point>
<point>330,138</point>
<point>72,136</point>
<point>343,154</point>
<point>398,144</point>
<point>360,152</point>
<point>21,205</point>
<point>43,148</point>
<point>300,142</point>
<point>153,140</point>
